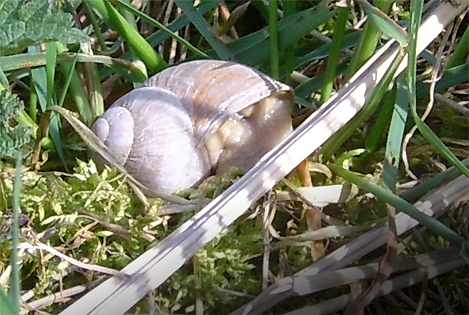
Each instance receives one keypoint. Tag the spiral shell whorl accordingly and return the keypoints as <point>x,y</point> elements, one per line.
<point>150,132</point>
<point>115,128</point>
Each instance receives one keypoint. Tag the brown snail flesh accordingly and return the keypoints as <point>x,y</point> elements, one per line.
<point>196,119</point>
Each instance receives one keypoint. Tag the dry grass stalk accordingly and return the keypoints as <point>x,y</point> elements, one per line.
<point>151,269</point>
<point>306,281</point>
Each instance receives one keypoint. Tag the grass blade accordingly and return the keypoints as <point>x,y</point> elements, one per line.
<point>385,24</point>
<point>204,28</point>
<point>415,18</point>
<point>416,192</point>
<point>400,204</point>
<point>461,50</point>
<point>289,10</point>
<point>368,41</point>
<point>7,306</point>
<point>254,49</point>
<point>334,143</point>
<point>15,283</point>
<point>54,125</point>
<point>163,28</point>
<point>395,137</point>
<point>273,39</point>
<point>139,45</point>
<point>333,59</point>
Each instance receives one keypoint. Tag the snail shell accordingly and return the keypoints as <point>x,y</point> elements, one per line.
<point>196,119</point>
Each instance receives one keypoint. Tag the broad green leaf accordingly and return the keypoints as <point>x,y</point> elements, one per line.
<point>23,23</point>
<point>11,138</point>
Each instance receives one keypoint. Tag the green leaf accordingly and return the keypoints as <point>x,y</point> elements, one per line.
<point>6,303</point>
<point>23,23</point>
<point>161,26</point>
<point>11,137</point>
<point>411,75</point>
<point>15,283</point>
<point>395,137</point>
<point>401,205</point>
<point>204,28</point>
<point>385,24</point>
<point>465,251</point>
<point>253,49</point>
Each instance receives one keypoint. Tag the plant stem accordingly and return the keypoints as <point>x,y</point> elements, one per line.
<point>273,33</point>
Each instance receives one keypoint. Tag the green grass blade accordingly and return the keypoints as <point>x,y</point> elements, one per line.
<point>181,22</point>
<point>139,45</point>
<point>411,71</point>
<point>289,10</point>
<point>51,60</point>
<point>438,144</point>
<point>401,205</point>
<point>94,22</point>
<point>130,70</point>
<point>128,16</point>
<point>165,29</point>
<point>336,141</point>
<point>6,305</point>
<point>465,251</point>
<point>372,142</point>
<point>334,54</point>
<point>160,36</point>
<point>451,77</point>
<point>3,80</point>
<point>273,39</point>
<point>254,49</point>
<point>76,90</point>
<point>368,41</point>
<point>55,126</point>
<point>15,283</point>
<point>418,191</point>
<point>461,50</point>
<point>204,28</point>
<point>67,83</point>
<point>91,100</point>
<point>395,137</point>
<point>322,52</point>
<point>384,23</point>
<point>415,18</point>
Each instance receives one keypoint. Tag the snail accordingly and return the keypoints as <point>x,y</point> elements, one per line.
<point>194,120</point>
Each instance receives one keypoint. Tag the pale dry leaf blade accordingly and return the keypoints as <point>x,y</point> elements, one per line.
<point>434,203</point>
<point>322,195</point>
<point>153,267</point>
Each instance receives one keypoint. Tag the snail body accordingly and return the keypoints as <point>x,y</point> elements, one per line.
<point>196,119</point>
